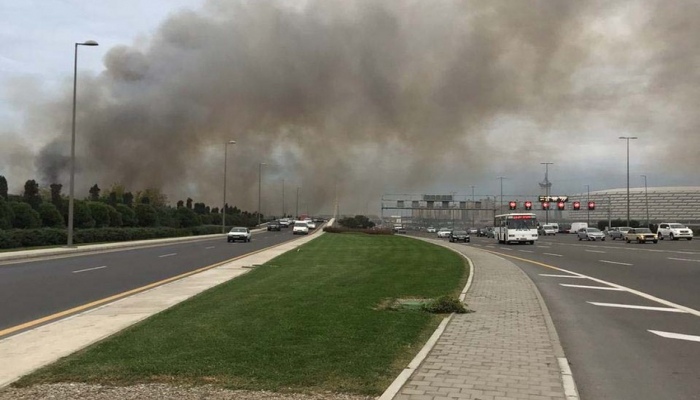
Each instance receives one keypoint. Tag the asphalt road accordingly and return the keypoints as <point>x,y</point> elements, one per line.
<point>35,289</point>
<point>612,351</point>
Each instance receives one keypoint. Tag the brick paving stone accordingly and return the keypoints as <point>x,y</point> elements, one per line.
<point>501,351</point>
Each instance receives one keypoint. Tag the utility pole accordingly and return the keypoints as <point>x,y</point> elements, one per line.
<point>588,200</point>
<point>628,175</point>
<point>284,212</point>
<point>260,190</point>
<point>500,209</point>
<point>473,206</point>
<point>646,196</point>
<point>297,208</point>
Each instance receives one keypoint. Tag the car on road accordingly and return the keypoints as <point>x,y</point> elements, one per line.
<point>591,234</point>
<point>443,233</point>
<point>274,226</point>
<point>640,235</point>
<point>546,230</point>
<point>310,223</point>
<point>674,231</point>
<point>431,229</point>
<point>300,228</point>
<point>618,232</point>
<point>473,231</point>
<point>459,236</point>
<point>239,233</point>
<point>490,233</point>
<point>285,222</point>
<point>577,226</point>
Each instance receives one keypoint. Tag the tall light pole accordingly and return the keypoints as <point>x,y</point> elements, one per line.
<point>297,207</point>
<point>500,210</point>
<point>284,212</point>
<point>588,199</point>
<point>260,189</point>
<point>473,206</point>
<point>547,185</point>
<point>646,197</point>
<point>72,143</point>
<point>223,215</point>
<point>628,174</point>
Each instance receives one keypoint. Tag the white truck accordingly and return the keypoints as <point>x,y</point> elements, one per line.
<point>674,231</point>
<point>576,226</point>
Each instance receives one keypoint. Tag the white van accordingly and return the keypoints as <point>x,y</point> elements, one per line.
<point>576,226</point>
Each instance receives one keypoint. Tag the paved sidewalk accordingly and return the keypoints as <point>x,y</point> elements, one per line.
<point>502,351</point>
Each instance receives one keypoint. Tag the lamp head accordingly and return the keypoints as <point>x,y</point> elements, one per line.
<point>88,43</point>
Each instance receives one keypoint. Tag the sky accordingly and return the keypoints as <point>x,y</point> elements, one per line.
<point>356,98</point>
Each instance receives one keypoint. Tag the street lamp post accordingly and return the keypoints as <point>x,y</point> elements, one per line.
<point>646,197</point>
<point>223,212</point>
<point>297,207</point>
<point>500,210</point>
<point>547,185</point>
<point>72,143</point>
<point>628,175</point>
<point>588,199</point>
<point>284,212</point>
<point>260,190</point>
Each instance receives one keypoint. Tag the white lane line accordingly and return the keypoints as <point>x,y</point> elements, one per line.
<point>89,269</point>
<point>492,247</point>
<point>543,247</point>
<point>168,255</point>
<point>563,276</point>
<point>682,259</point>
<point>505,248</point>
<point>614,262</point>
<point>682,252</point>
<point>636,307</point>
<point>592,287</point>
<point>595,251</point>
<point>672,335</point>
<point>526,251</point>
<point>208,248</point>
<point>658,251</point>
<point>552,254</point>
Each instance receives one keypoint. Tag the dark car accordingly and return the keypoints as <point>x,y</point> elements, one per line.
<point>274,226</point>
<point>459,236</point>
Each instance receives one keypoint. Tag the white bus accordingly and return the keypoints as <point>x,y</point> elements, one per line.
<point>515,227</point>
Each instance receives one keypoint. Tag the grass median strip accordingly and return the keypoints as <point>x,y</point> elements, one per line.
<point>309,320</point>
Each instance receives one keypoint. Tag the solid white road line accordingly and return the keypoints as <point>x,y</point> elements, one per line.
<point>636,307</point>
<point>592,287</point>
<point>614,262</point>
<point>552,254</point>
<point>526,251</point>
<point>505,248</point>
<point>672,335</point>
<point>210,247</point>
<point>168,255</point>
<point>89,269</point>
<point>563,276</point>
<point>682,259</point>
<point>595,251</point>
<point>543,247</point>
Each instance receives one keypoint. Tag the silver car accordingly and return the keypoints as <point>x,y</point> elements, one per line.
<point>618,232</point>
<point>591,234</point>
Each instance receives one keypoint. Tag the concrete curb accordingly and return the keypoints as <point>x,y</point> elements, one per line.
<point>406,374</point>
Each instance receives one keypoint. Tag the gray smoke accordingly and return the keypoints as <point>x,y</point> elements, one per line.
<point>368,96</point>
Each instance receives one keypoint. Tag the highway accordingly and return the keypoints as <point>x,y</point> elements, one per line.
<point>32,290</point>
<point>649,351</point>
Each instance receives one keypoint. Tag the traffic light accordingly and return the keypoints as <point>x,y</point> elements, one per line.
<point>513,205</point>
<point>528,205</point>
<point>591,205</point>
<point>577,205</point>
<point>561,205</point>
<point>545,205</point>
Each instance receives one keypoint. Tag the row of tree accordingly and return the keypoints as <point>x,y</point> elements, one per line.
<point>116,207</point>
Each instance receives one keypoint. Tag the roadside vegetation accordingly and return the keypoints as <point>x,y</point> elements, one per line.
<point>311,320</point>
<point>38,216</point>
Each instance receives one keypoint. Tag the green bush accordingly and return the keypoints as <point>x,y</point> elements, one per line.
<point>82,215</point>
<point>25,216</point>
<point>146,215</point>
<point>187,218</point>
<point>6,214</point>
<point>50,216</point>
<point>128,215</point>
<point>115,218</point>
<point>100,213</point>
<point>445,305</point>
<point>167,217</point>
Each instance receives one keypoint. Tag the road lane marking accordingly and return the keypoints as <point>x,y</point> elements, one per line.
<point>614,262</point>
<point>562,276</point>
<point>552,254</point>
<point>89,269</point>
<point>208,248</point>
<point>595,251</point>
<point>672,335</point>
<point>633,291</point>
<point>505,248</point>
<point>543,247</point>
<point>168,255</point>
<point>682,259</point>
<point>632,306</point>
<point>592,287</point>
<point>526,251</point>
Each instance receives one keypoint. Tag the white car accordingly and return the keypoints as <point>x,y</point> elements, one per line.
<point>443,233</point>
<point>547,230</point>
<point>310,223</point>
<point>431,229</point>
<point>239,233</point>
<point>285,222</point>
<point>300,228</point>
<point>674,231</point>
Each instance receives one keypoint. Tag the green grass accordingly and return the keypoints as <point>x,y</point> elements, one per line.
<point>305,321</point>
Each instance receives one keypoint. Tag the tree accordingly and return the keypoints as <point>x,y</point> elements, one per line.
<point>356,222</point>
<point>3,188</point>
<point>82,215</point>
<point>95,193</point>
<point>128,199</point>
<point>200,208</point>
<point>25,216</point>
<point>115,218</point>
<point>215,210</point>
<point>187,218</point>
<point>128,217</point>
<point>112,199</point>
<point>145,200</point>
<point>6,214</point>
<point>50,216</point>
<point>166,217</point>
<point>100,213</point>
<point>56,198</point>
<point>180,204</point>
<point>189,203</point>
<point>146,215</point>
<point>156,198</point>
<point>31,194</point>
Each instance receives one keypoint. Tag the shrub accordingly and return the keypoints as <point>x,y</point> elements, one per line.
<point>445,305</point>
<point>50,216</point>
<point>146,215</point>
<point>128,215</point>
<point>100,213</point>
<point>115,218</point>
<point>82,215</point>
<point>25,216</point>
<point>6,214</point>
<point>187,218</point>
<point>167,217</point>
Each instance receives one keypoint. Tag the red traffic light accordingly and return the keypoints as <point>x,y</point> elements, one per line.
<point>545,205</point>
<point>591,205</point>
<point>513,205</point>
<point>561,205</point>
<point>577,205</point>
<point>528,205</point>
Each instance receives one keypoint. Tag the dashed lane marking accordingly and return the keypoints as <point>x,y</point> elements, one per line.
<point>593,287</point>
<point>168,255</point>
<point>88,269</point>
<point>683,259</point>
<point>595,251</point>
<point>563,276</point>
<point>552,254</point>
<point>632,306</point>
<point>615,262</point>
<point>505,248</point>
<point>672,335</point>
<point>526,251</point>
<point>209,248</point>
